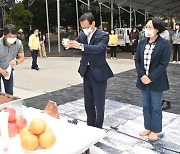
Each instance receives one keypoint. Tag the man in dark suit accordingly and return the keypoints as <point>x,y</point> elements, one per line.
<point>93,68</point>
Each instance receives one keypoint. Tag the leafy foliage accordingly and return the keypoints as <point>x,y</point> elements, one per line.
<point>23,15</point>
<point>19,16</point>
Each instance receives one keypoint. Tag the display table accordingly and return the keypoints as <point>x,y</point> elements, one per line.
<point>71,139</point>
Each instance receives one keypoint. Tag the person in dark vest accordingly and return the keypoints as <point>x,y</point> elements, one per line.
<point>42,50</point>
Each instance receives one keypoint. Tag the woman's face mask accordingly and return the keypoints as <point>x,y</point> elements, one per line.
<point>177,27</point>
<point>149,33</point>
<point>87,31</point>
<point>11,40</point>
<point>112,32</point>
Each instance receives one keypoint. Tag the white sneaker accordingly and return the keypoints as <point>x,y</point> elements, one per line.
<point>174,61</point>
<point>111,58</point>
<point>115,58</point>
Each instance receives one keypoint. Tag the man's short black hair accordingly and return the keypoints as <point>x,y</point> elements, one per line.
<point>87,16</point>
<point>158,24</point>
<point>10,29</point>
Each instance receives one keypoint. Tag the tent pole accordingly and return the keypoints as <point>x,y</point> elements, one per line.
<point>77,17</point>
<point>135,23</point>
<point>168,21</point>
<point>47,15</point>
<point>112,20</point>
<point>100,8</point>
<point>130,20</point>
<point>119,8</point>
<point>89,5</point>
<point>58,16</point>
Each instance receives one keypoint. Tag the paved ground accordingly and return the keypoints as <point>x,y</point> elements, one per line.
<point>122,124</point>
<point>58,80</point>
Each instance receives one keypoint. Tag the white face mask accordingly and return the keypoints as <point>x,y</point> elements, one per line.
<point>87,31</point>
<point>11,40</point>
<point>112,32</point>
<point>177,27</point>
<point>134,31</point>
<point>149,33</point>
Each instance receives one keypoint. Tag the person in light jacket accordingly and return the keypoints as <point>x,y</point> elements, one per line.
<point>34,46</point>
<point>113,39</point>
<point>176,43</point>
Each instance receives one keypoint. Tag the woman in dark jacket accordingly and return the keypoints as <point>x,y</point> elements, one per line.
<point>133,37</point>
<point>152,58</point>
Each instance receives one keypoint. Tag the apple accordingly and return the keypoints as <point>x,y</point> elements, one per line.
<point>12,114</point>
<point>21,122</point>
<point>12,128</point>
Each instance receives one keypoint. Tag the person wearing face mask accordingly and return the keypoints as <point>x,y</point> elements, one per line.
<point>93,68</point>
<point>133,37</point>
<point>11,54</point>
<point>151,61</point>
<point>34,46</point>
<point>113,39</point>
<point>176,43</point>
<point>142,34</point>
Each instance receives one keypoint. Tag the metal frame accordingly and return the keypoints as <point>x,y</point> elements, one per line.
<point>120,3</point>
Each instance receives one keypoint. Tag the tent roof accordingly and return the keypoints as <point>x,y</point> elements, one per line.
<point>159,7</point>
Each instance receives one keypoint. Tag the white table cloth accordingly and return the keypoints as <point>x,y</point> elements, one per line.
<point>71,139</point>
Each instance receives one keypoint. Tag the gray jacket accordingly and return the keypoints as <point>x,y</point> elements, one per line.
<point>9,53</point>
<point>176,37</point>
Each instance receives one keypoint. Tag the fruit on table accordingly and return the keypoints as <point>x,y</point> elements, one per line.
<point>12,128</point>
<point>15,124</point>
<point>29,142</point>
<point>44,134</point>
<point>37,126</point>
<point>47,139</point>
<point>21,123</point>
<point>24,131</point>
<point>12,114</point>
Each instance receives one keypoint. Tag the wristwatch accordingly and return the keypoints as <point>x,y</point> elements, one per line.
<point>81,47</point>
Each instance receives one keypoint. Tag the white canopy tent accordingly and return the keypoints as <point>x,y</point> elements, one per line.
<point>155,7</point>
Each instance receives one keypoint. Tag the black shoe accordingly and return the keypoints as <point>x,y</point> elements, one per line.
<point>35,68</point>
<point>165,105</point>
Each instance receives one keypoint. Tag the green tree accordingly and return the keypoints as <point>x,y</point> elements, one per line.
<point>19,16</point>
<point>67,11</point>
